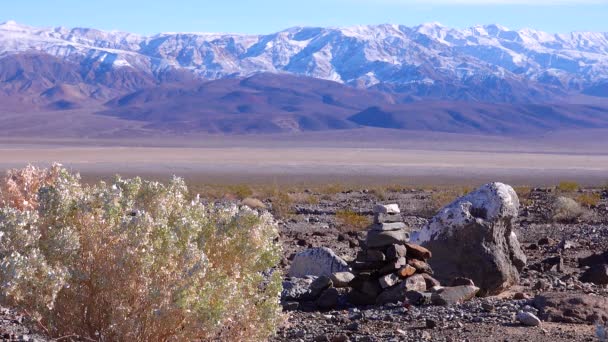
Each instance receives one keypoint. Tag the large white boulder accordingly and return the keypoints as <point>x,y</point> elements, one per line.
<point>490,202</point>
<point>473,237</point>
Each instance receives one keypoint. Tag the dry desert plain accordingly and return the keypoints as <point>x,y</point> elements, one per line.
<point>361,157</point>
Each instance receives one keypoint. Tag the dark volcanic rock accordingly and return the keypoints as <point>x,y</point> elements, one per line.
<point>328,299</point>
<point>594,259</point>
<point>397,293</point>
<point>473,238</point>
<point>572,308</point>
<point>597,274</point>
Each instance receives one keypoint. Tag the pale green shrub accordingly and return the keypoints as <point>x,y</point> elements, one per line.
<point>566,209</point>
<point>136,261</point>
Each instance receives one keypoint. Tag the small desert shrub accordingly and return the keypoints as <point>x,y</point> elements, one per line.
<point>588,200</point>
<point>241,191</point>
<point>568,186</point>
<point>281,204</point>
<point>253,203</point>
<point>351,221</point>
<point>380,193</point>
<point>135,260</point>
<point>566,210</point>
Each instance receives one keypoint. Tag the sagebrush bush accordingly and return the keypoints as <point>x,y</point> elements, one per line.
<point>135,260</point>
<point>566,209</point>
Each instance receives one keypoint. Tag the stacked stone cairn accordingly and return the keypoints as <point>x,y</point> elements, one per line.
<point>389,269</point>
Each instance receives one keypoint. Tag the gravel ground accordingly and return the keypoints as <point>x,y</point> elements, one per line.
<point>481,319</point>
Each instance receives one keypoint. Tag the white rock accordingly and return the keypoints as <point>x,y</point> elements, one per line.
<point>386,209</point>
<point>489,202</point>
<point>528,318</point>
<point>320,261</point>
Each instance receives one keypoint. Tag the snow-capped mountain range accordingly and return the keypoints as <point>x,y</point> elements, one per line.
<point>481,80</point>
<point>429,59</point>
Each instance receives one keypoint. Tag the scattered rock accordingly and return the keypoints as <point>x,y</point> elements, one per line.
<point>473,237</point>
<point>418,297</point>
<point>460,281</point>
<point>328,299</point>
<point>397,293</point>
<point>545,241</point>
<point>341,279</point>
<point>319,285</point>
<point>572,308</point>
<point>597,274</point>
<point>594,259</point>
<point>430,281</point>
<point>296,289</point>
<point>527,318</point>
<point>542,285</point>
<point>454,295</point>
<point>320,261</point>
<point>520,296</point>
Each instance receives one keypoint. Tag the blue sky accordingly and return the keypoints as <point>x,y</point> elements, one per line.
<point>266,16</point>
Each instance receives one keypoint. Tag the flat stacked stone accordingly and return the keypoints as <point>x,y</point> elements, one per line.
<point>389,266</point>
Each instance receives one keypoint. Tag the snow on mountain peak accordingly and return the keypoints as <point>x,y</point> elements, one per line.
<point>364,54</point>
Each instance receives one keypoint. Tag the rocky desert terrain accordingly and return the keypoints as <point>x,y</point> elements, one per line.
<point>555,252</point>
<point>563,285</point>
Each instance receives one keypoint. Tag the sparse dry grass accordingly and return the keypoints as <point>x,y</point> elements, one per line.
<point>568,186</point>
<point>282,204</point>
<point>442,197</point>
<point>351,221</point>
<point>588,200</point>
<point>303,198</point>
<point>332,189</point>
